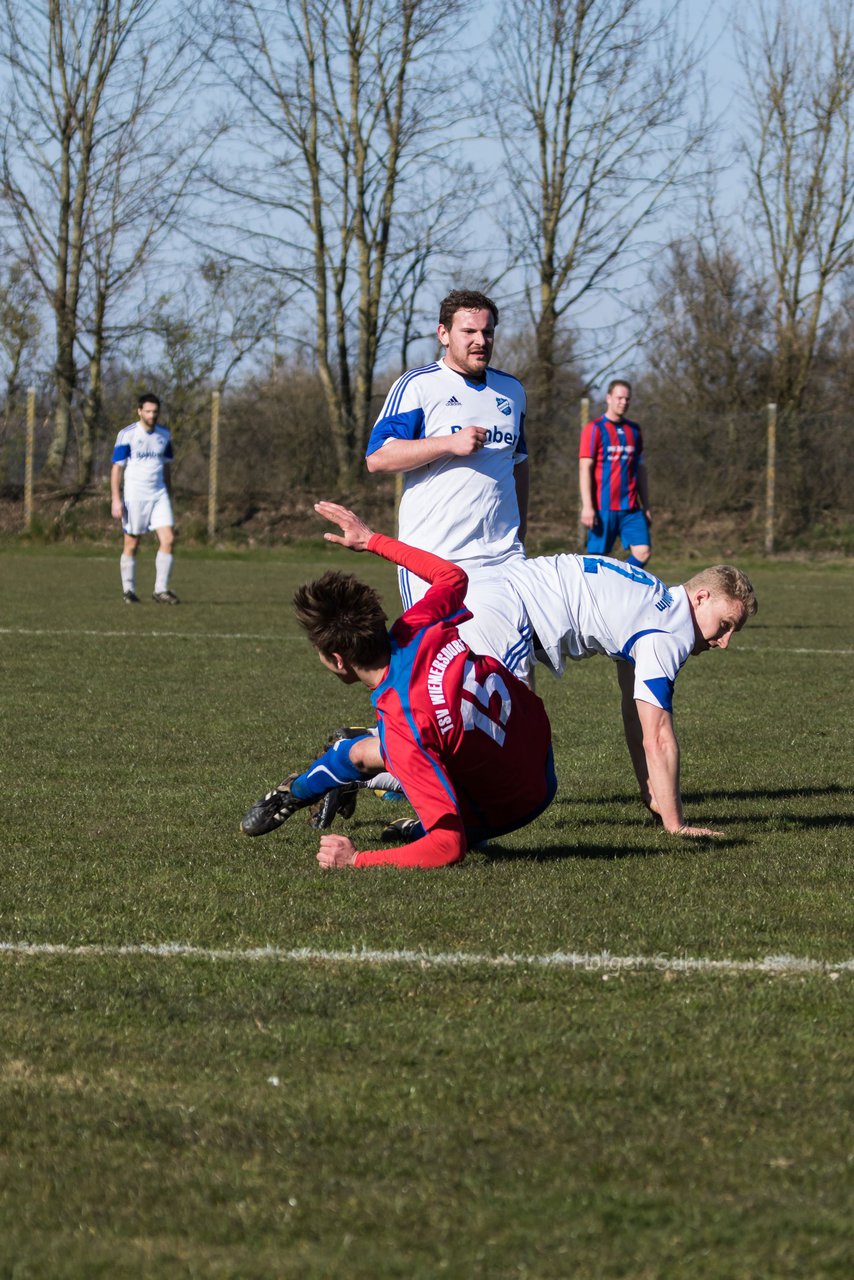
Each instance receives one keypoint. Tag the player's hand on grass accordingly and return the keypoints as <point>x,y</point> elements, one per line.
<point>356,534</point>
<point>697,831</point>
<point>336,851</point>
<point>468,441</point>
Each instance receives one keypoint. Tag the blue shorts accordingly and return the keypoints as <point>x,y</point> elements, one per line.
<point>630,527</point>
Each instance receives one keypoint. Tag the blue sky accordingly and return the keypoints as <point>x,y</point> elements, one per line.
<point>711,26</point>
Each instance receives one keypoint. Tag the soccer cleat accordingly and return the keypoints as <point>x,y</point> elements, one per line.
<point>340,801</point>
<point>165,597</point>
<point>404,829</point>
<point>130,597</point>
<point>272,810</point>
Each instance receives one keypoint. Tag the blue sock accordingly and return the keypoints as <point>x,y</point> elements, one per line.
<point>639,564</point>
<point>333,769</point>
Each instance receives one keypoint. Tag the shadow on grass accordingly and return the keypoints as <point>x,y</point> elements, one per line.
<point>770,793</point>
<point>603,852</point>
<point>728,793</point>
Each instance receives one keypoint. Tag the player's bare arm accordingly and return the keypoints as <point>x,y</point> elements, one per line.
<point>585,484</point>
<point>661,749</point>
<point>116,491</point>
<point>405,455</point>
<point>634,733</point>
<point>355,534</point>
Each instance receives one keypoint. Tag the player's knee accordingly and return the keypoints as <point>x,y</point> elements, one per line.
<point>365,754</point>
<point>167,540</point>
<point>641,554</point>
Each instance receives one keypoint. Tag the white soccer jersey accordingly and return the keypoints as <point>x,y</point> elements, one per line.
<point>463,509</point>
<point>143,455</point>
<point>582,605</point>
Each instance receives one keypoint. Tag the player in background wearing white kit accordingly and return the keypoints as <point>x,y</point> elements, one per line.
<point>142,457</point>
<point>455,429</point>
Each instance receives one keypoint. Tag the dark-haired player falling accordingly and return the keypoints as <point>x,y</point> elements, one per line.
<point>469,743</point>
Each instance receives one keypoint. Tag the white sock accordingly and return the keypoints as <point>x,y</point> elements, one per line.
<point>163,567</point>
<point>383,782</point>
<point>128,567</point>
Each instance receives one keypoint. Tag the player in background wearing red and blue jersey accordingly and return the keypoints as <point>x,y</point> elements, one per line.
<point>468,741</point>
<point>612,479</point>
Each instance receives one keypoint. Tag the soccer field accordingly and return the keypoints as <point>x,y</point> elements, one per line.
<point>591,1050</point>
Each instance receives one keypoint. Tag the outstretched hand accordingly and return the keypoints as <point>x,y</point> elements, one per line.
<point>356,534</point>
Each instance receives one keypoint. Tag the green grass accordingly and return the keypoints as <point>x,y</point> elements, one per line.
<point>470,1122</point>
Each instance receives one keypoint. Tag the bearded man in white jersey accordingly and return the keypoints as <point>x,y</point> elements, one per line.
<point>455,430</point>
<point>140,486</point>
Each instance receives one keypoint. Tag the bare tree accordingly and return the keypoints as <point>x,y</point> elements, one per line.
<point>592,102</point>
<point>224,315</point>
<point>20,327</point>
<point>343,147</point>
<point>707,374</point>
<point>706,337</point>
<point>798,68</point>
<point>94,168</point>
<point>20,330</point>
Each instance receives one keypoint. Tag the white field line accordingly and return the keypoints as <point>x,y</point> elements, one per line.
<point>585,962</point>
<point>247,635</point>
<point>779,648</point>
<point>147,635</point>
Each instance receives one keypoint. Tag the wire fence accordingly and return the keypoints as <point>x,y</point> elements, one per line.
<point>261,461</point>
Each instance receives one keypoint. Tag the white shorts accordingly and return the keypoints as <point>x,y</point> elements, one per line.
<point>141,515</point>
<point>500,626</point>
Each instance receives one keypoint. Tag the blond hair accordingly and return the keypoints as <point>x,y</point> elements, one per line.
<point>726,580</point>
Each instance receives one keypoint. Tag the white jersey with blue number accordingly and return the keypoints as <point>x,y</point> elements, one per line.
<point>463,509</point>
<point>582,605</point>
<point>143,455</point>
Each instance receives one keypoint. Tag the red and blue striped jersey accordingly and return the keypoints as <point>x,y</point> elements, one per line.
<point>617,451</point>
<point>469,742</point>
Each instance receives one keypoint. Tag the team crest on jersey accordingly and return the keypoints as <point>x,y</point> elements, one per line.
<point>504,405</point>
<point>453,401</point>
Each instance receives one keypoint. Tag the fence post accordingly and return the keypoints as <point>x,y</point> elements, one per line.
<point>770,477</point>
<point>28,458</point>
<point>214,464</point>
